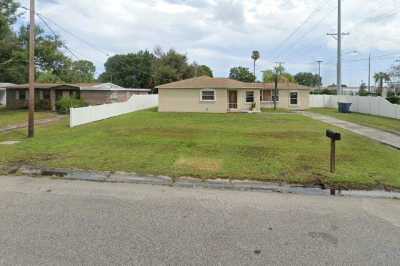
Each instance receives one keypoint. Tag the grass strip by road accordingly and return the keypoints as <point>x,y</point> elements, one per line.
<point>282,147</point>
<point>379,122</point>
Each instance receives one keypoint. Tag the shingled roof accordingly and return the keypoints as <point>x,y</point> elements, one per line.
<point>204,82</point>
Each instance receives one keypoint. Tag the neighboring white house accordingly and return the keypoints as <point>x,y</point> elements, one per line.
<point>3,93</point>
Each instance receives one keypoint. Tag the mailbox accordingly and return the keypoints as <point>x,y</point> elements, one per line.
<point>333,135</point>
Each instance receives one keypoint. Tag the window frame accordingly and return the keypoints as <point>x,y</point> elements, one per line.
<point>297,98</point>
<point>254,97</point>
<point>208,90</point>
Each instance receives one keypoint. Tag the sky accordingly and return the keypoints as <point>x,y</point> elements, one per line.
<point>223,33</point>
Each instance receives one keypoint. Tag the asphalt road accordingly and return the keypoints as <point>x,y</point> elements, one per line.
<point>56,222</point>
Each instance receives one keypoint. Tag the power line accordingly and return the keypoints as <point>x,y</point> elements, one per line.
<point>296,45</point>
<point>89,44</point>
<point>55,35</point>
<point>281,45</point>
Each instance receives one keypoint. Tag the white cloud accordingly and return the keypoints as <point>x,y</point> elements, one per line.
<point>222,33</point>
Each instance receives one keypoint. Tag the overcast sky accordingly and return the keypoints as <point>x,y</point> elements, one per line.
<point>222,33</point>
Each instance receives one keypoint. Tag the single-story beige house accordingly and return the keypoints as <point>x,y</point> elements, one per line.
<point>47,94</point>
<point>222,95</point>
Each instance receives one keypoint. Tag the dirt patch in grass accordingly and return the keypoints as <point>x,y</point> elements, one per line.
<point>199,164</point>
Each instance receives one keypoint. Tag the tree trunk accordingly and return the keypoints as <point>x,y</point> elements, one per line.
<point>254,69</point>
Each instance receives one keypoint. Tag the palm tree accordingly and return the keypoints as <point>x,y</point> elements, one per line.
<point>381,77</point>
<point>255,56</point>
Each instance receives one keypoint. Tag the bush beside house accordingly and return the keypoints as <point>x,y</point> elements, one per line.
<point>65,103</point>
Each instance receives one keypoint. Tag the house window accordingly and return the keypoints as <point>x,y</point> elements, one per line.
<point>207,95</point>
<point>266,95</point>
<point>294,98</point>
<point>21,95</point>
<point>249,96</point>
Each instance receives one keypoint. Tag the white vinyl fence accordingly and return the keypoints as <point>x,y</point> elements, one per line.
<point>360,104</point>
<point>85,115</point>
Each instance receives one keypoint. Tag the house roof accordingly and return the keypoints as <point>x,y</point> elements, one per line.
<point>81,86</point>
<point>5,85</point>
<point>204,82</point>
<point>42,86</point>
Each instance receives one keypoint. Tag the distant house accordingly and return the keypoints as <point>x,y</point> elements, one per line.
<point>3,93</point>
<point>46,95</point>
<point>221,95</point>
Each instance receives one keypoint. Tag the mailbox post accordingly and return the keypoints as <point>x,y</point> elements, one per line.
<point>334,136</point>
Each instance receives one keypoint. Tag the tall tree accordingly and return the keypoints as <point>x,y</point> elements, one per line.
<point>13,58</point>
<point>171,66</point>
<point>255,55</point>
<point>80,71</point>
<point>129,70</point>
<point>242,74</point>
<point>201,70</point>
<point>308,79</point>
<point>380,78</point>
<point>8,11</point>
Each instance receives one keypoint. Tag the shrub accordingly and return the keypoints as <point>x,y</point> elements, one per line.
<point>65,103</point>
<point>394,99</point>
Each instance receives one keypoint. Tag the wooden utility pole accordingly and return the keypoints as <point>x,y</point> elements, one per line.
<point>339,50</point>
<point>369,73</point>
<point>277,76</point>
<point>319,61</point>
<point>31,123</point>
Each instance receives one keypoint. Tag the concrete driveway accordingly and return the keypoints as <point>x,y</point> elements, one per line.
<point>57,222</point>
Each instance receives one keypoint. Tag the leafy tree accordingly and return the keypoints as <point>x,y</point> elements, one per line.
<point>48,54</point>
<point>13,58</point>
<point>201,70</point>
<point>80,71</point>
<point>171,66</point>
<point>255,55</point>
<point>48,77</point>
<point>308,79</point>
<point>269,75</point>
<point>242,74</point>
<point>129,70</point>
<point>8,11</point>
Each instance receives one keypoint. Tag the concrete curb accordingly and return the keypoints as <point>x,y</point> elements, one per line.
<point>189,182</point>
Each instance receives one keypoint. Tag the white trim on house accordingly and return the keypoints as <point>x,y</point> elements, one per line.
<point>3,93</point>
<point>208,90</point>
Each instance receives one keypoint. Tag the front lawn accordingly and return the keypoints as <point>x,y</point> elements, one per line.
<point>279,147</point>
<point>384,123</point>
<point>15,117</point>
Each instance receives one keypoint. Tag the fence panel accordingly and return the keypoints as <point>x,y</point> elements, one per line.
<point>361,104</point>
<point>85,115</point>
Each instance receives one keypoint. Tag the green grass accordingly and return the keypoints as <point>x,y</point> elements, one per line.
<point>290,148</point>
<point>278,110</point>
<point>15,117</point>
<point>383,123</point>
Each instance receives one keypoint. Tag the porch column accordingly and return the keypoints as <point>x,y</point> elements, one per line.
<point>53,100</point>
